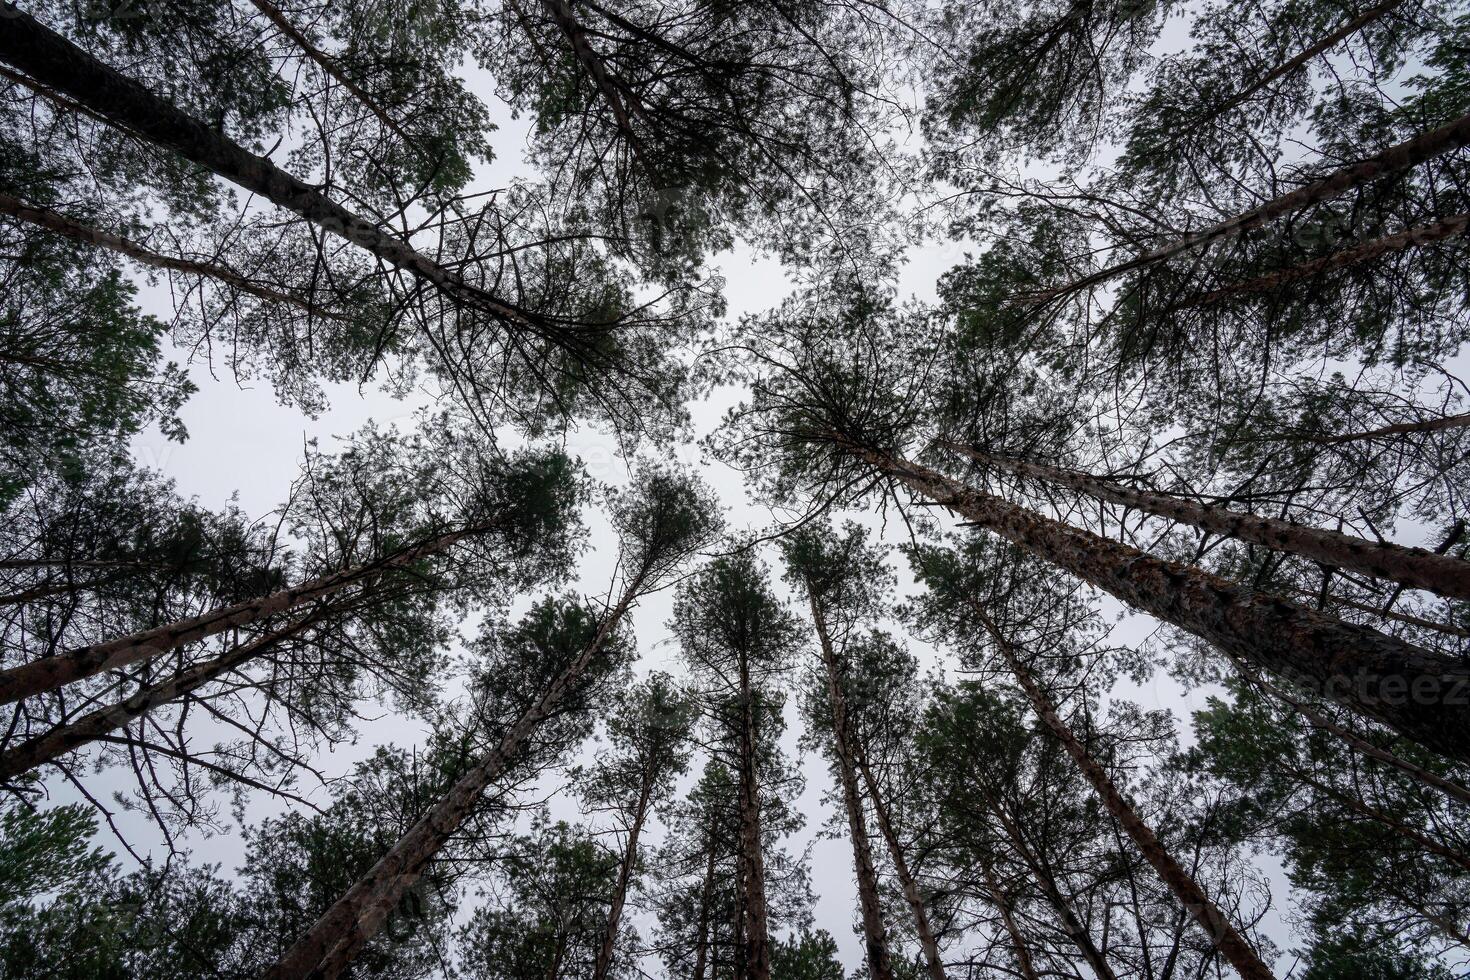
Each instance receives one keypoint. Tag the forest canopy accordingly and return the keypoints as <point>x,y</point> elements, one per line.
<point>753,489</point>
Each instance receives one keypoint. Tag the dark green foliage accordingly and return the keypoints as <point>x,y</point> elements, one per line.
<point>809,956</point>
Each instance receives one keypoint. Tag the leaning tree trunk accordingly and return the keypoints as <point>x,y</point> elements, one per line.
<point>339,934</point>
<point>1216,925</point>
<point>1342,259</point>
<point>1403,156</point>
<point>1003,908</point>
<point>1307,54</point>
<point>94,726</point>
<point>49,673</point>
<point>53,61</point>
<point>1368,671</point>
<point>1071,924</point>
<point>60,224</point>
<point>1415,568</point>
<point>1397,429</point>
<point>911,893</point>
<point>880,965</point>
<point>752,857</point>
<point>625,875</point>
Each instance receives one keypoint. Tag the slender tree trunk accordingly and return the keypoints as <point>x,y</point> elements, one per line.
<point>752,856</point>
<point>335,939</point>
<point>561,12</point>
<point>1420,694</point>
<point>706,894</point>
<point>1216,924</point>
<point>1403,156</point>
<point>1397,429</point>
<point>53,61</point>
<point>1362,252</point>
<point>49,673</point>
<point>1018,942</point>
<point>880,965</point>
<point>1307,54</point>
<point>66,227</point>
<point>1071,924</point>
<point>91,727</point>
<point>1415,568</point>
<point>329,66</point>
<point>625,875</point>
<point>925,932</point>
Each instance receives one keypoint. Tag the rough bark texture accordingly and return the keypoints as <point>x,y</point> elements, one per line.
<point>335,939</point>
<point>755,917</point>
<point>1418,693</point>
<point>925,932</point>
<point>60,224</point>
<point>91,727</point>
<point>49,673</point>
<point>620,890</point>
<point>1410,153</point>
<point>1018,942</point>
<point>53,61</point>
<point>1217,926</point>
<point>875,938</point>
<point>1364,252</point>
<point>1415,568</point>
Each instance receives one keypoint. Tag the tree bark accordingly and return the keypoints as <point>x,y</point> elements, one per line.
<point>927,943</point>
<point>1420,694</point>
<point>1018,942</point>
<point>1362,252</point>
<point>880,965</point>
<point>55,62</point>
<point>49,673</point>
<point>60,224</point>
<point>1216,924</point>
<point>752,856</point>
<point>1397,429</point>
<point>335,939</point>
<point>620,890</point>
<point>89,728</point>
<point>1416,568</point>
<point>701,945</point>
<point>1402,156</point>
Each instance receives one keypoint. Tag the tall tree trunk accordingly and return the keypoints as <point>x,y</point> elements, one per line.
<point>1403,156</point>
<point>706,895</point>
<point>60,224</point>
<point>1003,906</point>
<point>1415,568</point>
<point>752,856</point>
<point>1342,259</point>
<point>880,965</point>
<point>625,875</point>
<point>1397,429</point>
<point>1368,671</point>
<point>49,673</point>
<point>1323,45</point>
<point>55,62</point>
<point>592,63</point>
<point>338,935</point>
<point>925,932</point>
<point>1364,747</point>
<point>1052,891</point>
<point>91,727</point>
<point>1215,923</point>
